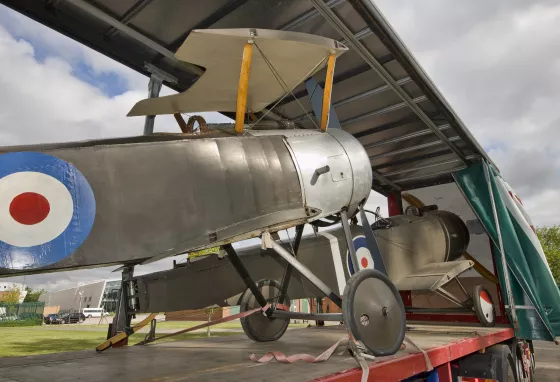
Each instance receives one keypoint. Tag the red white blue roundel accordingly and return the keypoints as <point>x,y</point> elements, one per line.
<point>47,209</point>
<point>363,254</point>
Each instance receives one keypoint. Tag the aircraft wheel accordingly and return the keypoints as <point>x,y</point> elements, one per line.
<point>374,312</point>
<point>258,326</point>
<point>484,306</point>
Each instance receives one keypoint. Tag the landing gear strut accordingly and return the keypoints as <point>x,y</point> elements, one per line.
<point>371,308</point>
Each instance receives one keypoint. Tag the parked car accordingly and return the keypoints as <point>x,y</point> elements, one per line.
<point>52,319</point>
<point>94,312</point>
<point>72,318</point>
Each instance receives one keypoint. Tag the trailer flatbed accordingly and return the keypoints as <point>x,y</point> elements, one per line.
<point>227,358</point>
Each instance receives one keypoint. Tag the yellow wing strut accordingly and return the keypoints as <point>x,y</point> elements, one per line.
<point>327,93</point>
<point>243,87</point>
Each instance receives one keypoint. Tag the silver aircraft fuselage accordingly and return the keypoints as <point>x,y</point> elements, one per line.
<point>131,200</point>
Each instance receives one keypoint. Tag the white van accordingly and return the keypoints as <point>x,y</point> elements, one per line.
<point>93,312</point>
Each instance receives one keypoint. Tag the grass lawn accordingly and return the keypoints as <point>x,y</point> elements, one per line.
<point>46,339</point>
<point>24,341</point>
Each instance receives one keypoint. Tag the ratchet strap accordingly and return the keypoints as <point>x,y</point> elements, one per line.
<point>280,357</point>
<point>124,335</point>
<point>129,331</point>
<point>207,324</point>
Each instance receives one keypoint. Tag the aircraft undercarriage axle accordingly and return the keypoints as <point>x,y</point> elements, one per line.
<point>371,308</point>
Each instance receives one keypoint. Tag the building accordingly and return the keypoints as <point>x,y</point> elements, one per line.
<point>97,294</point>
<point>6,286</point>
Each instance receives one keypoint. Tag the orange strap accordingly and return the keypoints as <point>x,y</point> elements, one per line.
<point>207,324</point>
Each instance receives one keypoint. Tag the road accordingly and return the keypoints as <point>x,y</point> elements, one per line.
<point>547,355</point>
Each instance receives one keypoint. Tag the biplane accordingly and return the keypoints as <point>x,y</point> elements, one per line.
<point>136,200</point>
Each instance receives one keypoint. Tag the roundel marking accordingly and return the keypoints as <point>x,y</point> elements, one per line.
<point>486,305</point>
<point>29,208</point>
<point>362,253</point>
<point>47,210</point>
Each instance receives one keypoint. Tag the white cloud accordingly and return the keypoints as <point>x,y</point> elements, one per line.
<point>43,100</point>
<point>72,52</point>
<point>498,65</point>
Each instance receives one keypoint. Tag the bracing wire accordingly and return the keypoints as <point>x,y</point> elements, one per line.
<point>285,86</point>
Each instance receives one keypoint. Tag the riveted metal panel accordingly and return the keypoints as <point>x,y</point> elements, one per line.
<point>162,198</point>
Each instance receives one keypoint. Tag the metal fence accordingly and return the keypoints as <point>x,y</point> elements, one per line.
<point>24,314</point>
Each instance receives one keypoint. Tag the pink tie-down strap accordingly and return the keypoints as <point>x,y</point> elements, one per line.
<point>281,357</point>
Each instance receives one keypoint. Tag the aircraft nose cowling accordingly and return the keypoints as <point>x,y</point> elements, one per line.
<point>334,170</point>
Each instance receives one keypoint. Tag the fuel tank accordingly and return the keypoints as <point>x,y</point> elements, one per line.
<point>413,242</point>
<point>87,204</point>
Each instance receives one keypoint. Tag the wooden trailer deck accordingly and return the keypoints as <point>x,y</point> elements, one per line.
<point>227,358</point>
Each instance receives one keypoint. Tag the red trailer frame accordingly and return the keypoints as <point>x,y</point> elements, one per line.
<point>408,366</point>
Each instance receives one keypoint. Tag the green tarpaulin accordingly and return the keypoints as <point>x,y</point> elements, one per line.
<point>534,293</point>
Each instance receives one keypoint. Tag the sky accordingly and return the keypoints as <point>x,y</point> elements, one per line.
<point>497,63</point>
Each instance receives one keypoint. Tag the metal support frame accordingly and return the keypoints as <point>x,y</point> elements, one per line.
<point>413,148</point>
<point>208,22</point>
<point>413,309</point>
<point>462,287</point>
<point>300,20</point>
<point>244,274</point>
<point>269,242</point>
<point>384,110</point>
<point>449,296</point>
<point>358,97</point>
<point>128,16</point>
<point>126,30</point>
<point>501,243</point>
<point>354,43</point>
<point>154,87</point>
<point>401,122</point>
<point>124,313</point>
<point>431,174</point>
<point>349,242</point>
<point>308,316</point>
<point>289,268</point>
<point>416,158</point>
<point>435,164</point>
<point>404,137</point>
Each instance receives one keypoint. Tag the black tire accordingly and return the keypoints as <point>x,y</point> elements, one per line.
<point>370,296</point>
<point>258,326</point>
<point>485,317</point>
<point>511,370</point>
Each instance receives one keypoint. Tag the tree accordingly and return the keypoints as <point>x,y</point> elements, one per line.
<point>550,241</point>
<point>12,295</point>
<point>33,295</point>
